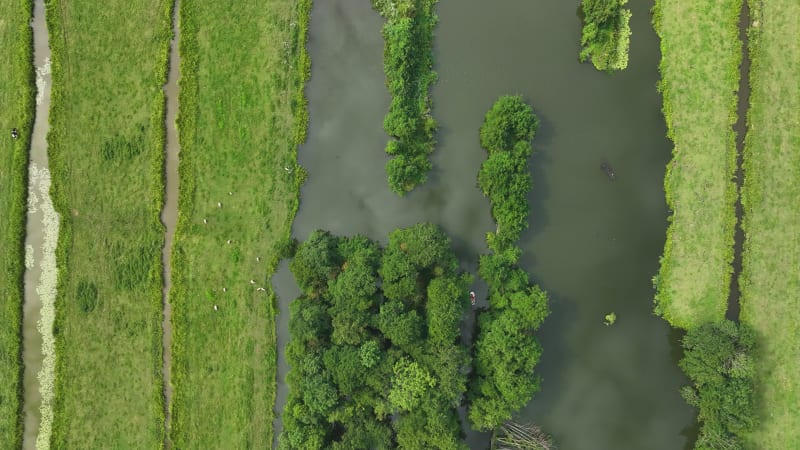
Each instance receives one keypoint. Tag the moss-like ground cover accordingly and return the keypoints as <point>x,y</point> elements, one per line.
<point>771,197</point>
<point>106,159</point>
<point>242,115</point>
<point>701,52</point>
<point>16,110</point>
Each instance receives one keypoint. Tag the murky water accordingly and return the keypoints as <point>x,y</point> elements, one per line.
<point>593,244</point>
<point>169,214</point>
<point>40,263</point>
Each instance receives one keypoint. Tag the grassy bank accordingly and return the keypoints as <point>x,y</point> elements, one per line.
<point>408,63</point>
<point>242,115</point>
<point>771,198</point>
<point>699,68</point>
<point>17,94</point>
<point>106,159</point>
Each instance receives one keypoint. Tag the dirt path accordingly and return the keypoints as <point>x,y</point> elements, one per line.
<point>41,237</point>
<point>169,215</point>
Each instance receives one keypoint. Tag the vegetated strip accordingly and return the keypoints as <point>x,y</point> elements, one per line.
<point>17,95</point>
<point>105,148</point>
<point>242,115</point>
<point>506,350</point>
<point>770,285</point>
<point>408,63</point>
<point>699,69</point>
<point>606,34</point>
<point>375,353</point>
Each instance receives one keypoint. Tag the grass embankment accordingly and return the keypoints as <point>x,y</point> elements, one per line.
<point>506,350</point>
<point>408,63</point>
<point>242,115</point>
<point>106,140</point>
<point>701,52</point>
<point>17,94</point>
<point>771,199</point>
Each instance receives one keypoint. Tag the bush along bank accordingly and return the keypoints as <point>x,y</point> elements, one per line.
<point>606,34</point>
<point>375,352</point>
<point>408,63</point>
<point>17,86</point>
<point>506,350</point>
<point>718,360</point>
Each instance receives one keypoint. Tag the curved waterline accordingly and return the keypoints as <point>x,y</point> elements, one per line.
<point>169,214</point>
<point>41,273</point>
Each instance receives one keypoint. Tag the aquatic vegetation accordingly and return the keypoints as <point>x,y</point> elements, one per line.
<point>375,350</point>
<point>769,280</point>
<point>408,63</point>
<point>610,319</point>
<point>17,96</point>
<point>506,351</point>
<point>606,34</point>
<point>701,52</point>
<point>239,126</point>
<point>108,380</point>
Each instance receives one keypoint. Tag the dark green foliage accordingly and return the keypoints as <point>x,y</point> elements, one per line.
<point>124,148</point>
<point>371,370</point>
<point>506,350</point>
<point>408,63</point>
<point>718,360</point>
<point>86,295</point>
<point>606,34</point>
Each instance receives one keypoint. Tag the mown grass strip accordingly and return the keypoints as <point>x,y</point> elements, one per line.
<point>242,115</point>
<point>771,198</point>
<point>105,146</point>
<point>408,63</point>
<point>701,52</point>
<point>17,95</point>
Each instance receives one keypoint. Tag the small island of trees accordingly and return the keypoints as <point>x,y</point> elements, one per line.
<point>606,34</point>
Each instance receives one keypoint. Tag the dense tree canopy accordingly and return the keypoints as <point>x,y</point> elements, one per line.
<point>371,369</point>
<point>606,34</point>
<point>506,350</point>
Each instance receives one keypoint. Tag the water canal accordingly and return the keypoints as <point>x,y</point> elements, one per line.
<point>593,244</point>
<point>41,237</point>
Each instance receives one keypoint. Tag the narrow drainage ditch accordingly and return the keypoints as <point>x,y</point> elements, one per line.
<point>169,214</point>
<point>41,237</point>
<point>740,128</point>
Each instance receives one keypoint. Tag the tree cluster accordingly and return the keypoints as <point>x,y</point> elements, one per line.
<point>408,63</point>
<point>506,350</point>
<point>606,34</point>
<point>718,360</point>
<point>375,352</point>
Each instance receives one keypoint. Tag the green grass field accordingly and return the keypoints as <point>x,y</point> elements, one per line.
<point>771,197</point>
<point>106,158</point>
<point>242,115</point>
<point>16,110</point>
<point>699,68</point>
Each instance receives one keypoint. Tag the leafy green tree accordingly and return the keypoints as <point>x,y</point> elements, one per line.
<point>510,120</point>
<point>605,37</point>
<point>316,262</point>
<point>409,385</point>
<point>448,299</point>
<point>402,327</point>
<point>433,426</point>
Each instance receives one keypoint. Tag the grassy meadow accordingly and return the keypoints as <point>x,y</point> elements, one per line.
<point>701,52</point>
<point>771,198</point>
<point>16,110</point>
<point>106,158</point>
<point>242,115</point>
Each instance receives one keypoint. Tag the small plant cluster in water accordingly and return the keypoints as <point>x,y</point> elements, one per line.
<point>375,352</point>
<point>606,34</point>
<point>408,63</point>
<point>506,350</point>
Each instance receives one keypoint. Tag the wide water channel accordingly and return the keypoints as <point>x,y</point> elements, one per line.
<point>593,243</point>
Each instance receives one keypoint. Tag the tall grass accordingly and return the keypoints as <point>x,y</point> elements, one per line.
<point>242,115</point>
<point>701,52</point>
<point>109,63</point>
<point>17,92</point>
<point>769,282</point>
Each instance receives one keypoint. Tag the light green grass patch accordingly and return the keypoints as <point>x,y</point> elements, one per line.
<point>770,278</point>
<point>106,158</point>
<point>242,115</point>
<point>16,110</point>
<point>699,68</point>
